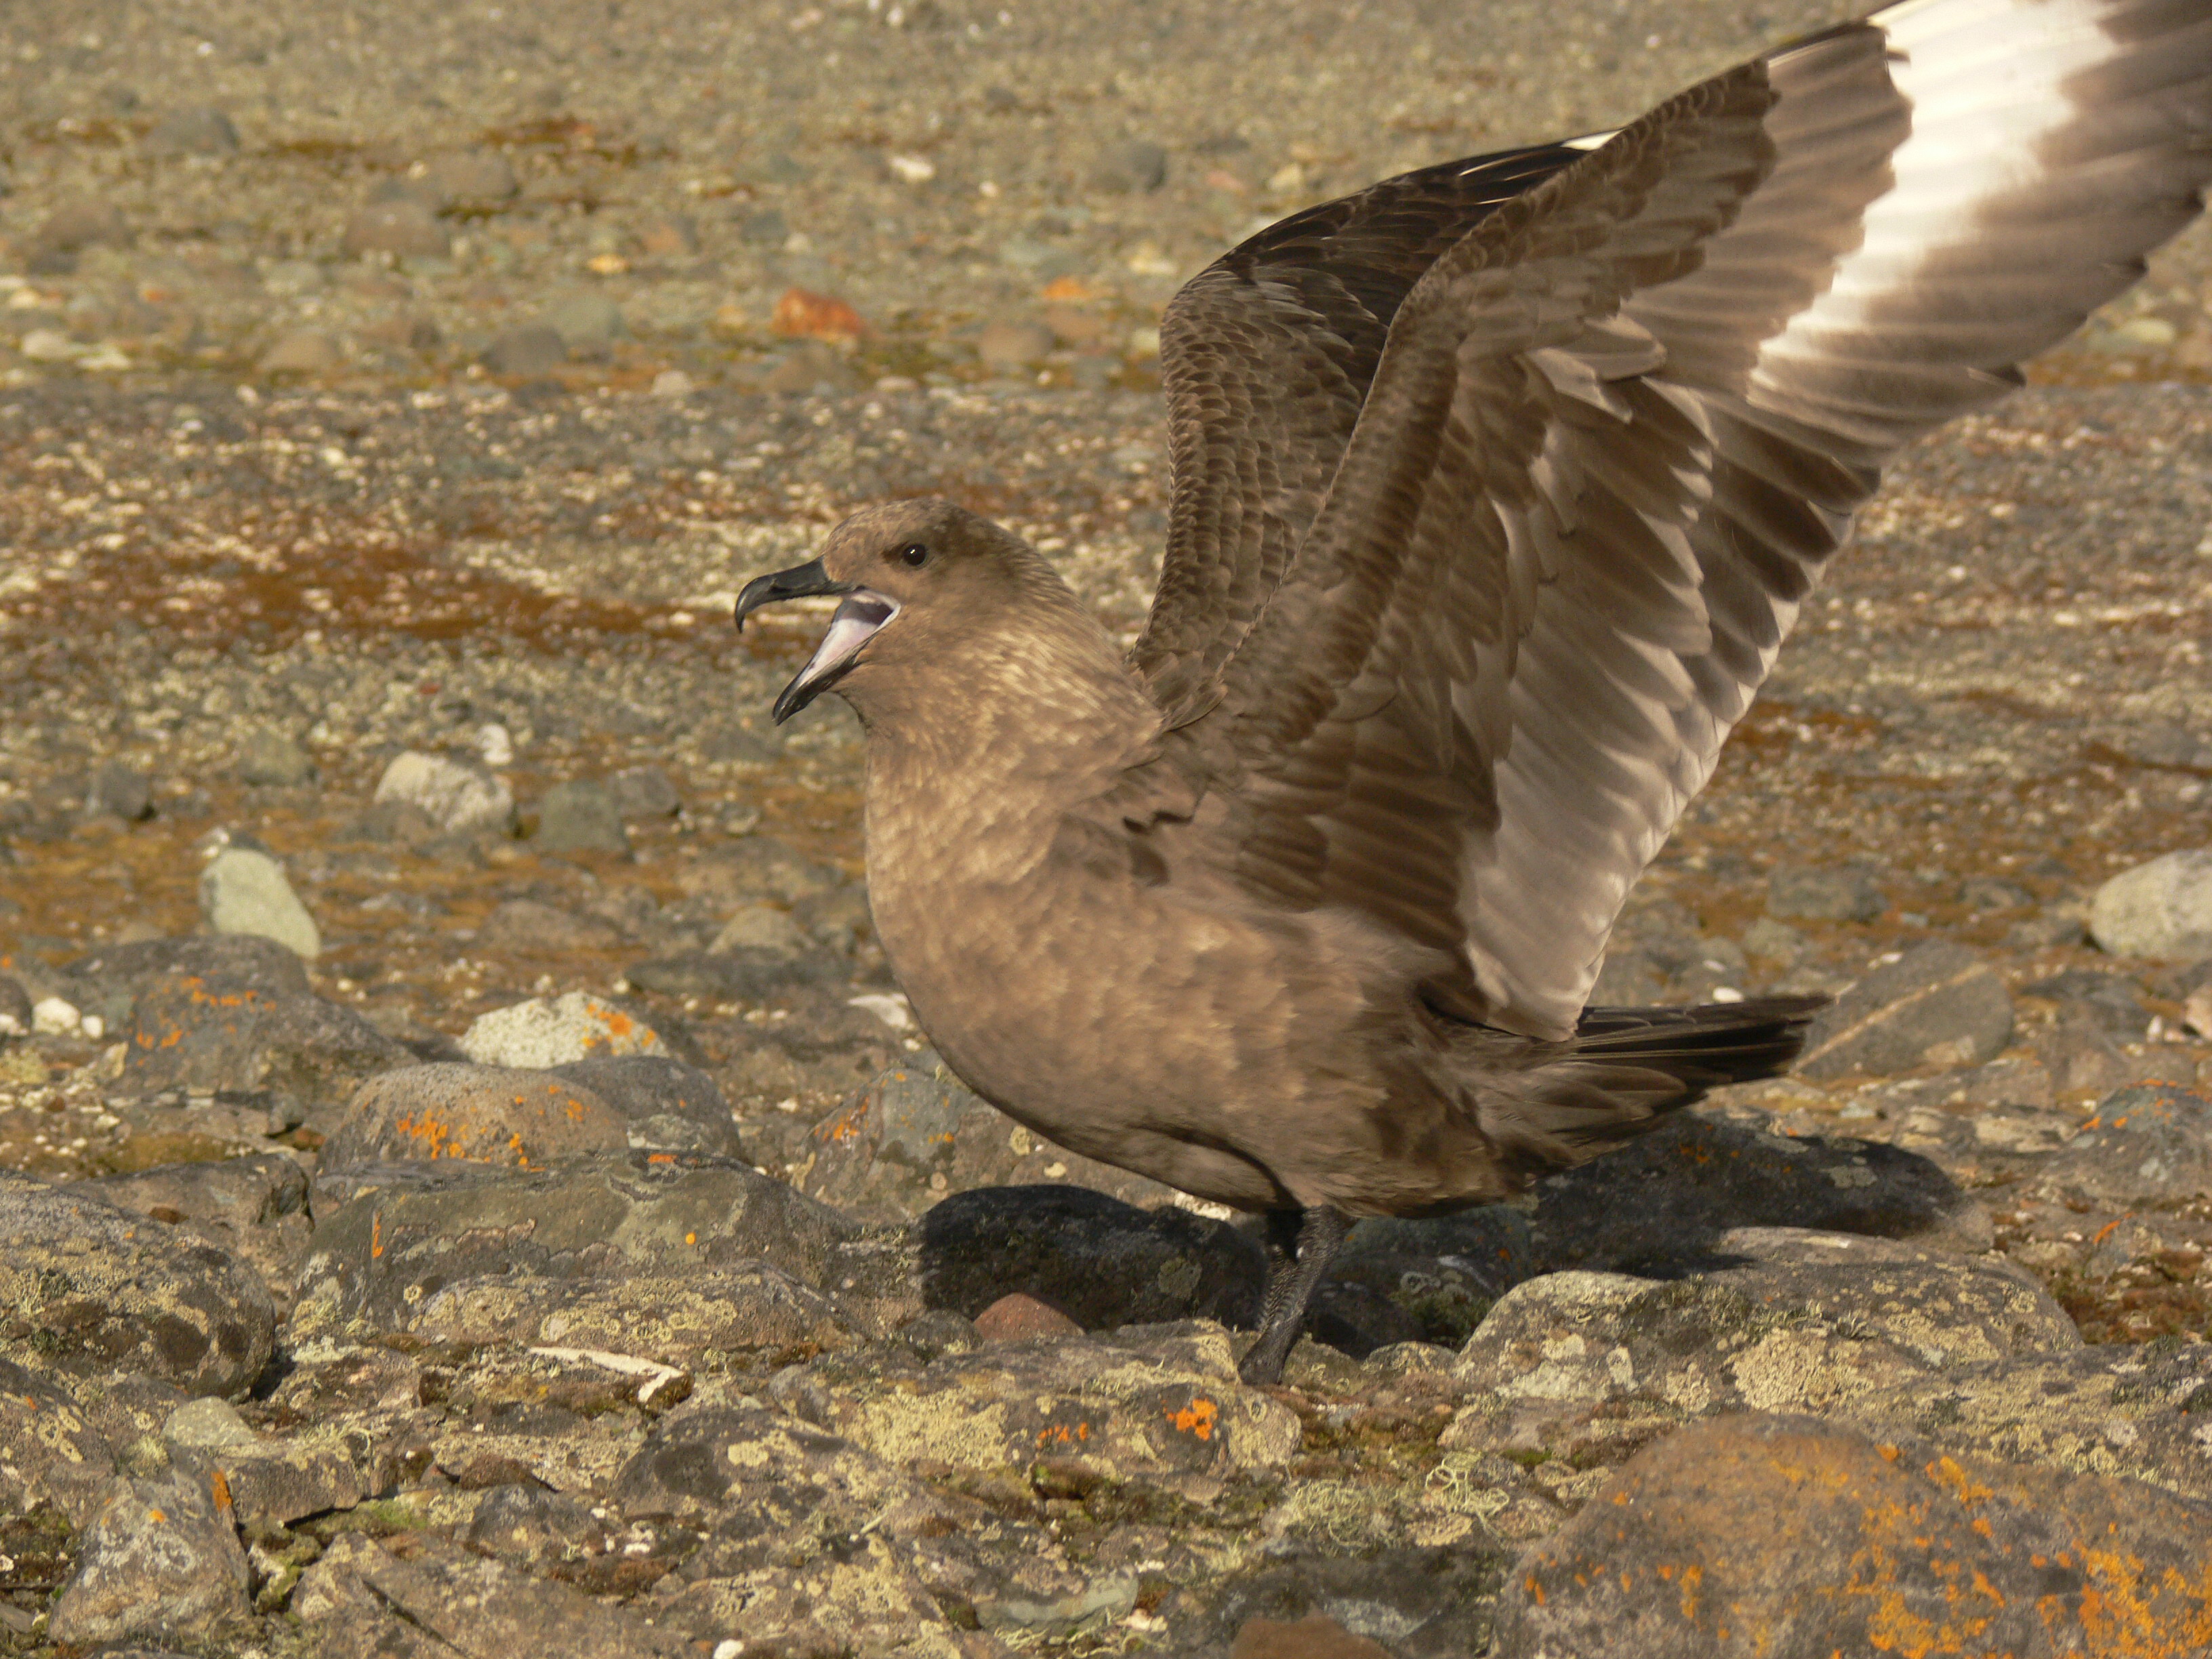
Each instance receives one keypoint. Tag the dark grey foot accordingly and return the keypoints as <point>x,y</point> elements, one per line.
<point>1301,1244</point>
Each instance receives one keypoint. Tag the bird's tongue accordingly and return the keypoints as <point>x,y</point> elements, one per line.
<point>854,624</point>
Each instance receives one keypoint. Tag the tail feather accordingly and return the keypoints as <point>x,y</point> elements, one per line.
<point>1626,1068</point>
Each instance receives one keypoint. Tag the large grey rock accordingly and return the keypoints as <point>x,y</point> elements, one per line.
<point>50,1452</point>
<point>406,1232</point>
<point>1782,1319</point>
<point>1674,1192</point>
<point>208,1032</point>
<point>456,797</point>
<point>365,1597</point>
<point>917,1133</point>
<point>1103,1262</point>
<point>1938,1005</point>
<point>270,1481</point>
<point>160,1559</point>
<point>86,1288</point>
<point>110,981</point>
<point>1786,1536</point>
<point>245,891</point>
<point>689,1320</point>
<point>2162,909</point>
<point>1318,1603</point>
<point>2149,1144</point>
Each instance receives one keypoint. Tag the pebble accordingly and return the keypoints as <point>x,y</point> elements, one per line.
<point>302,351</point>
<point>1824,895</point>
<point>404,226</point>
<point>81,225</point>
<point>533,349</point>
<point>191,132</point>
<point>245,891</point>
<point>1937,1005</point>
<point>645,791</point>
<point>801,313</point>
<point>473,176</point>
<point>762,928</point>
<point>580,816</point>
<point>122,790</point>
<point>456,798</point>
<point>1132,165</point>
<point>589,323</point>
<point>1008,345</point>
<point>574,1026</point>
<point>2162,909</point>
<point>160,1561</point>
<point>267,757</point>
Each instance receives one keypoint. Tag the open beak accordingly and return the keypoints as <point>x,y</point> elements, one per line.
<point>852,625</point>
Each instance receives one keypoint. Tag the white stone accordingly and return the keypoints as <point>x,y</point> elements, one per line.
<point>537,1034</point>
<point>456,797</point>
<point>245,891</point>
<point>49,345</point>
<point>496,743</point>
<point>52,1017</point>
<point>2162,909</point>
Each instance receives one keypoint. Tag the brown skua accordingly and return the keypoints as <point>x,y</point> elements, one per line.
<point>1496,488</point>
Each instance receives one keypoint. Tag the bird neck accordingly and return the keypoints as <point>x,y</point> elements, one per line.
<point>1029,720</point>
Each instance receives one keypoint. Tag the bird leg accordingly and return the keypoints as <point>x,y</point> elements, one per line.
<point>1301,1244</point>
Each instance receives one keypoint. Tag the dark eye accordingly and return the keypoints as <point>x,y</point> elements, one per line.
<point>914,555</point>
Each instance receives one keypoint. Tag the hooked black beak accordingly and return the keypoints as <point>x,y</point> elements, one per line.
<point>810,580</point>
<point>852,625</point>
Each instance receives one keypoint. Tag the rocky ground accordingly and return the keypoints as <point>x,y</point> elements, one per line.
<point>473,1182</point>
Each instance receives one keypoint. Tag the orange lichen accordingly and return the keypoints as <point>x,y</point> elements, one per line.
<point>1196,1418</point>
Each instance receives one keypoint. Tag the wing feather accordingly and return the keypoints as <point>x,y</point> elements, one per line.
<point>1614,433</point>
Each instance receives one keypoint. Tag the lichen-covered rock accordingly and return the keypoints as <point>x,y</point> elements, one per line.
<point>109,982</point>
<point>576,1025</point>
<point>255,1207</point>
<point>1426,1603</point>
<point>1783,1535</point>
<point>668,1105</point>
<point>1939,1005</point>
<point>49,1452</point>
<point>917,1133</point>
<point>1672,1192</point>
<point>695,1319</point>
<point>86,1288</point>
<point>1579,1370</point>
<point>269,1480</point>
<point>160,1559</point>
<point>802,1530</point>
<point>406,1232</point>
<point>482,1113</point>
<point>1149,1403</point>
<point>1442,1272</point>
<point>2140,1412</point>
<point>2148,1145</point>
<point>245,890</point>
<point>215,1031</point>
<point>1103,1262</point>
<point>383,1597</point>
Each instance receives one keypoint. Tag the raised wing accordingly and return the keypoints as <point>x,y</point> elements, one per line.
<point>1618,430</point>
<point>1264,357</point>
